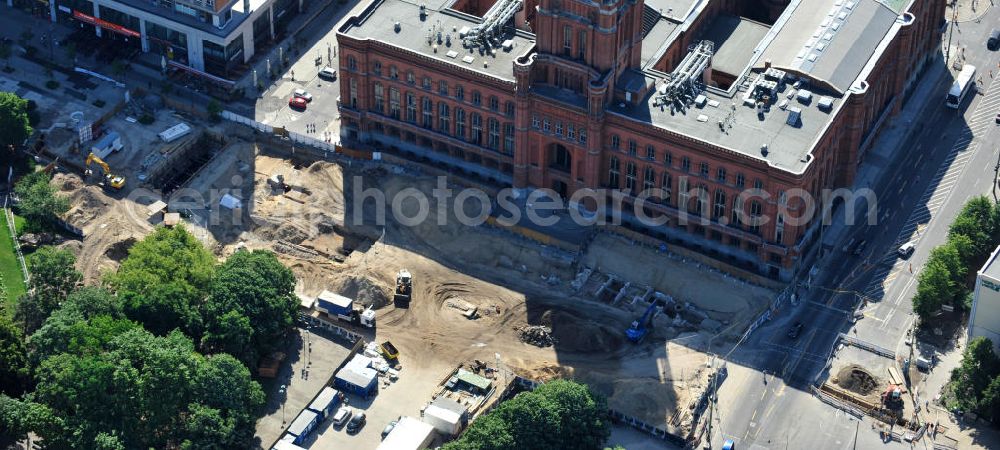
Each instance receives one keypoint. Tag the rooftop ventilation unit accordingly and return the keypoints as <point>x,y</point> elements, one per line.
<point>825,104</point>
<point>805,96</point>
<point>683,85</point>
<point>776,75</point>
<point>493,21</point>
<point>794,116</point>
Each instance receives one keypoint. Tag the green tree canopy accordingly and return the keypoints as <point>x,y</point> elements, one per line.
<point>14,127</point>
<point>978,221</point>
<point>557,415</point>
<point>164,281</point>
<point>249,288</point>
<point>38,201</point>
<point>53,277</point>
<point>980,365</point>
<point>144,391</point>
<point>14,369</point>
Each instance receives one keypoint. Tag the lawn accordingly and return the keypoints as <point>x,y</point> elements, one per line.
<point>10,269</point>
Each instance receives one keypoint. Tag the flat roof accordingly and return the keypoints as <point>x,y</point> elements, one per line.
<point>408,434</point>
<point>378,20</point>
<point>304,420</point>
<point>992,267</point>
<point>788,145</point>
<point>473,379</point>
<point>735,39</point>
<point>675,9</point>
<point>334,298</point>
<point>656,39</point>
<point>324,398</point>
<point>829,40</point>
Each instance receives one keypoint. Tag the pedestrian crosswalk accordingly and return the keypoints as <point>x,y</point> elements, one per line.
<point>938,191</point>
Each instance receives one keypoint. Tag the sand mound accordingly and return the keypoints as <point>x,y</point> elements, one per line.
<point>857,380</point>
<point>365,292</point>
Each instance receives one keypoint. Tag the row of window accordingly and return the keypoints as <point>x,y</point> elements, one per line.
<point>573,132</point>
<point>471,130</point>
<point>457,91</point>
<point>696,201</point>
<point>704,170</point>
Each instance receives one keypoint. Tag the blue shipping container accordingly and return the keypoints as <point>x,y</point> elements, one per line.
<point>358,381</point>
<point>325,403</point>
<point>334,304</point>
<point>304,424</point>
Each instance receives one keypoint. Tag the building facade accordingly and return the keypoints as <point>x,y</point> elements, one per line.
<point>985,317</point>
<point>730,112</point>
<point>213,37</point>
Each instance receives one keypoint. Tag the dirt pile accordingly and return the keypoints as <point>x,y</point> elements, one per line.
<point>365,292</point>
<point>537,335</point>
<point>857,380</point>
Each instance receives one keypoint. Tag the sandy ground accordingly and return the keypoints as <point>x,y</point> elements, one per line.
<point>316,230</point>
<point>722,297</point>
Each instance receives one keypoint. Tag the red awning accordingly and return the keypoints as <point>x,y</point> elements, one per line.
<point>104,24</point>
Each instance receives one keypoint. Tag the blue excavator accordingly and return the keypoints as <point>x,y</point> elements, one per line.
<point>640,327</point>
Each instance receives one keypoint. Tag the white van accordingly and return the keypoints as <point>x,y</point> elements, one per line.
<point>906,250</point>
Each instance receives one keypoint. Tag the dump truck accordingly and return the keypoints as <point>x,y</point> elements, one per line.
<point>404,288</point>
<point>389,351</point>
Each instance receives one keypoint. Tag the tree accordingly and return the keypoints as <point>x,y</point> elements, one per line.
<point>137,390</point>
<point>53,277</point>
<point>37,200</point>
<point>14,127</point>
<point>557,415</point>
<point>934,287</point>
<point>990,405</point>
<point>19,417</point>
<point>14,370</point>
<point>978,221</point>
<point>249,288</point>
<point>980,365</point>
<point>164,280</point>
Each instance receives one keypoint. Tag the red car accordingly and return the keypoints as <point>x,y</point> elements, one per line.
<point>297,103</point>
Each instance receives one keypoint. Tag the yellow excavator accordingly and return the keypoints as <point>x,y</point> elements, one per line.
<point>115,181</point>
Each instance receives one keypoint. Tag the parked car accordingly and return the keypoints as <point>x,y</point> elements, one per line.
<point>342,416</point>
<point>906,250</point>
<point>328,73</point>
<point>303,94</point>
<point>998,118</point>
<point>993,43</point>
<point>357,423</point>
<point>388,428</point>
<point>795,330</point>
<point>729,445</point>
<point>297,103</point>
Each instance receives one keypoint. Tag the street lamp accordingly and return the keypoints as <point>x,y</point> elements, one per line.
<point>281,392</point>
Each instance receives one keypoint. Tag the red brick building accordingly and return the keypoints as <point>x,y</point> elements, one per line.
<point>703,99</point>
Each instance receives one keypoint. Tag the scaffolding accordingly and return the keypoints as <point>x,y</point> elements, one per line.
<point>493,22</point>
<point>682,86</point>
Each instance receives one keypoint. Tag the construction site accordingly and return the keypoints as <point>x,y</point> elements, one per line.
<point>627,318</point>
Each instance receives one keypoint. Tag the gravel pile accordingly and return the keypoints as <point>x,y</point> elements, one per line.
<point>537,335</point>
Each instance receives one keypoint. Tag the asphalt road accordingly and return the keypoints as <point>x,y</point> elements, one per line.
<point>948,157</point>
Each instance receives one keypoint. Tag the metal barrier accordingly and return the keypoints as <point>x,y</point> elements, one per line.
<point>881,351</point>
<point>9,215</point>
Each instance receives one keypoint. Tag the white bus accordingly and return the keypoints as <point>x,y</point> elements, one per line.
<point>963,84</point>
